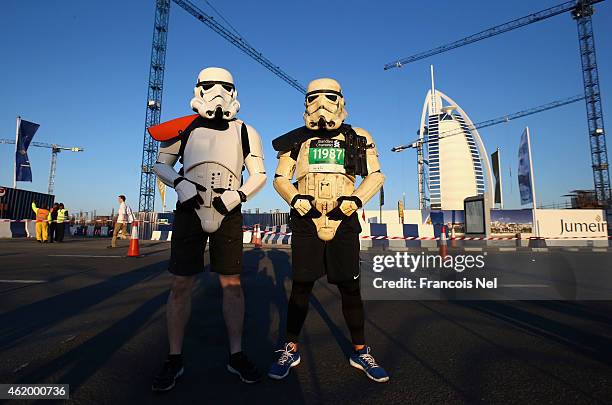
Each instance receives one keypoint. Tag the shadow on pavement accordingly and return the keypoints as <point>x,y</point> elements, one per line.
<point>593,346</point>
<point>87,358</point>
<point>45,313</point>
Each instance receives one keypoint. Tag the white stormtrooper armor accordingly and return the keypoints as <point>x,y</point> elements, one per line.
<point>319,154</point>
<point>213,157</point>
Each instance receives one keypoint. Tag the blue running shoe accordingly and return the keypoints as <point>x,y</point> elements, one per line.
<point>363,360</point>
<point>288,358</point>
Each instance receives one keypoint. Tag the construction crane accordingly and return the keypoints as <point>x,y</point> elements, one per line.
<point>55,149</point>
<point>582,11</point>
<point>156,82</point>
<point>418,144</point>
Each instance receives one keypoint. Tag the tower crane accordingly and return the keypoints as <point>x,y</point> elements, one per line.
<point>581,11</point>
<point>156,83</point>
<point>55,149</point>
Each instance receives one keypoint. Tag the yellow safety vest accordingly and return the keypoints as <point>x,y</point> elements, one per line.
<point>61,215</point>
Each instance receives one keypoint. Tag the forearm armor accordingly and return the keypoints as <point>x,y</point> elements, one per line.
<point>166,159</point>
<point>283,176</point>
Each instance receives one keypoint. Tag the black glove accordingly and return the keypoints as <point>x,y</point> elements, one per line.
<point>220,206</point>
<point>192,203</point>
<point>313,212</point>
<point>336,214</point>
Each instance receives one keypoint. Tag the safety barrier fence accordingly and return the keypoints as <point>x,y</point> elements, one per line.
<point>276,234</point>
<point>380,237</point>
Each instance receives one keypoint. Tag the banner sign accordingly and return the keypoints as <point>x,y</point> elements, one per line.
<point>524,170</point>
<point>25,133</point>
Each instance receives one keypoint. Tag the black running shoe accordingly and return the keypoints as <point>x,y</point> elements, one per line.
<point>166,379</point>
<point>240,365</point>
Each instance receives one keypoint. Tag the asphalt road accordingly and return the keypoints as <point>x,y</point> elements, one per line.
<point>85,315</point>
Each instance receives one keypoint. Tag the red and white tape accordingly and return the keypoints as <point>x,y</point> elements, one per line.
<point>369,237</point>
<point>364,237</point>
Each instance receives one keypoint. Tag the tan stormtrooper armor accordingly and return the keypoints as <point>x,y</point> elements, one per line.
<point>320,164</point>
<point>213,158</point>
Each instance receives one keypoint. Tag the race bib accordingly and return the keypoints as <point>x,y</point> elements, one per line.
<point>326,155</point>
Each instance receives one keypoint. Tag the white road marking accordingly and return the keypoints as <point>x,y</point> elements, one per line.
<point>472,249</point>
<point>24,365</point>
<point>69,339</point>
<point>507,249</point>
<point>23,281</point>
<point>83,256</point>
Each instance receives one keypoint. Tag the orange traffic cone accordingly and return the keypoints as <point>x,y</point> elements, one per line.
<point>443,245</point>
<point>256,238</point>
<point>134,249</point>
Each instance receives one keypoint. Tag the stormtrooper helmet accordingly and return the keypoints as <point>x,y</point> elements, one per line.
<point>324,105</point>
<point>215,95</point>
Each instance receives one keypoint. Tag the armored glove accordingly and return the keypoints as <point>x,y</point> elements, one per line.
<point>188,196</point>
<point>303,205</point>
<point>347,205</point>
<point>228,200</point>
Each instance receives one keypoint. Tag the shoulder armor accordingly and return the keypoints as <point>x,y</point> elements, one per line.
<point>171,129</point>
<point>289,140</point>
<point>295,138</point>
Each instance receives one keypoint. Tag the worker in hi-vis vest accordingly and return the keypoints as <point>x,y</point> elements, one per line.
<point>42,222</point>
<point>62,216</point>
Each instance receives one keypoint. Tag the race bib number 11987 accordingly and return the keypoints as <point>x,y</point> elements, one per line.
<point>326,151</point>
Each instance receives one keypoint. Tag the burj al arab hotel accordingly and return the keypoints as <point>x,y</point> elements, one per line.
<point>453,162</point>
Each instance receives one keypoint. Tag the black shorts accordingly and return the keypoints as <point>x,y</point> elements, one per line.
<point>312,257</point>
<point>189,241</point>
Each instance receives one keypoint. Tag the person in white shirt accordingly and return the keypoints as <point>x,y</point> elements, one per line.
<point>124,217</point>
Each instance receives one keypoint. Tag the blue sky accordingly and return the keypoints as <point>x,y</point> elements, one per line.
<point>80,69</point>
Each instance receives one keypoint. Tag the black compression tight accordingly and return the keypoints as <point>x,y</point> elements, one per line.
<point>352,309</point>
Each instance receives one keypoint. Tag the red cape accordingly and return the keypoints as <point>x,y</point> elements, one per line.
<point>171,129</point>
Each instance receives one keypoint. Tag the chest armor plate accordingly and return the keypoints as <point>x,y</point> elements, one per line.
<point>207,145</point>
<point>320,173</point>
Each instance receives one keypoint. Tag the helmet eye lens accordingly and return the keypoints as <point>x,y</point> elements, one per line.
<point>331,97</point>
<point>229,87</point>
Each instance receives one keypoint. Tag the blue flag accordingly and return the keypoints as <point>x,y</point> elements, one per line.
<point>25,133</point>
<point>524,170</point>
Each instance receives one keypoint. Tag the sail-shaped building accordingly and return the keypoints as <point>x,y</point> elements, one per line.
<point>454,163</point>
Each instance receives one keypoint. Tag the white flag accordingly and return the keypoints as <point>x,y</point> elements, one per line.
<point>524,169</point>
